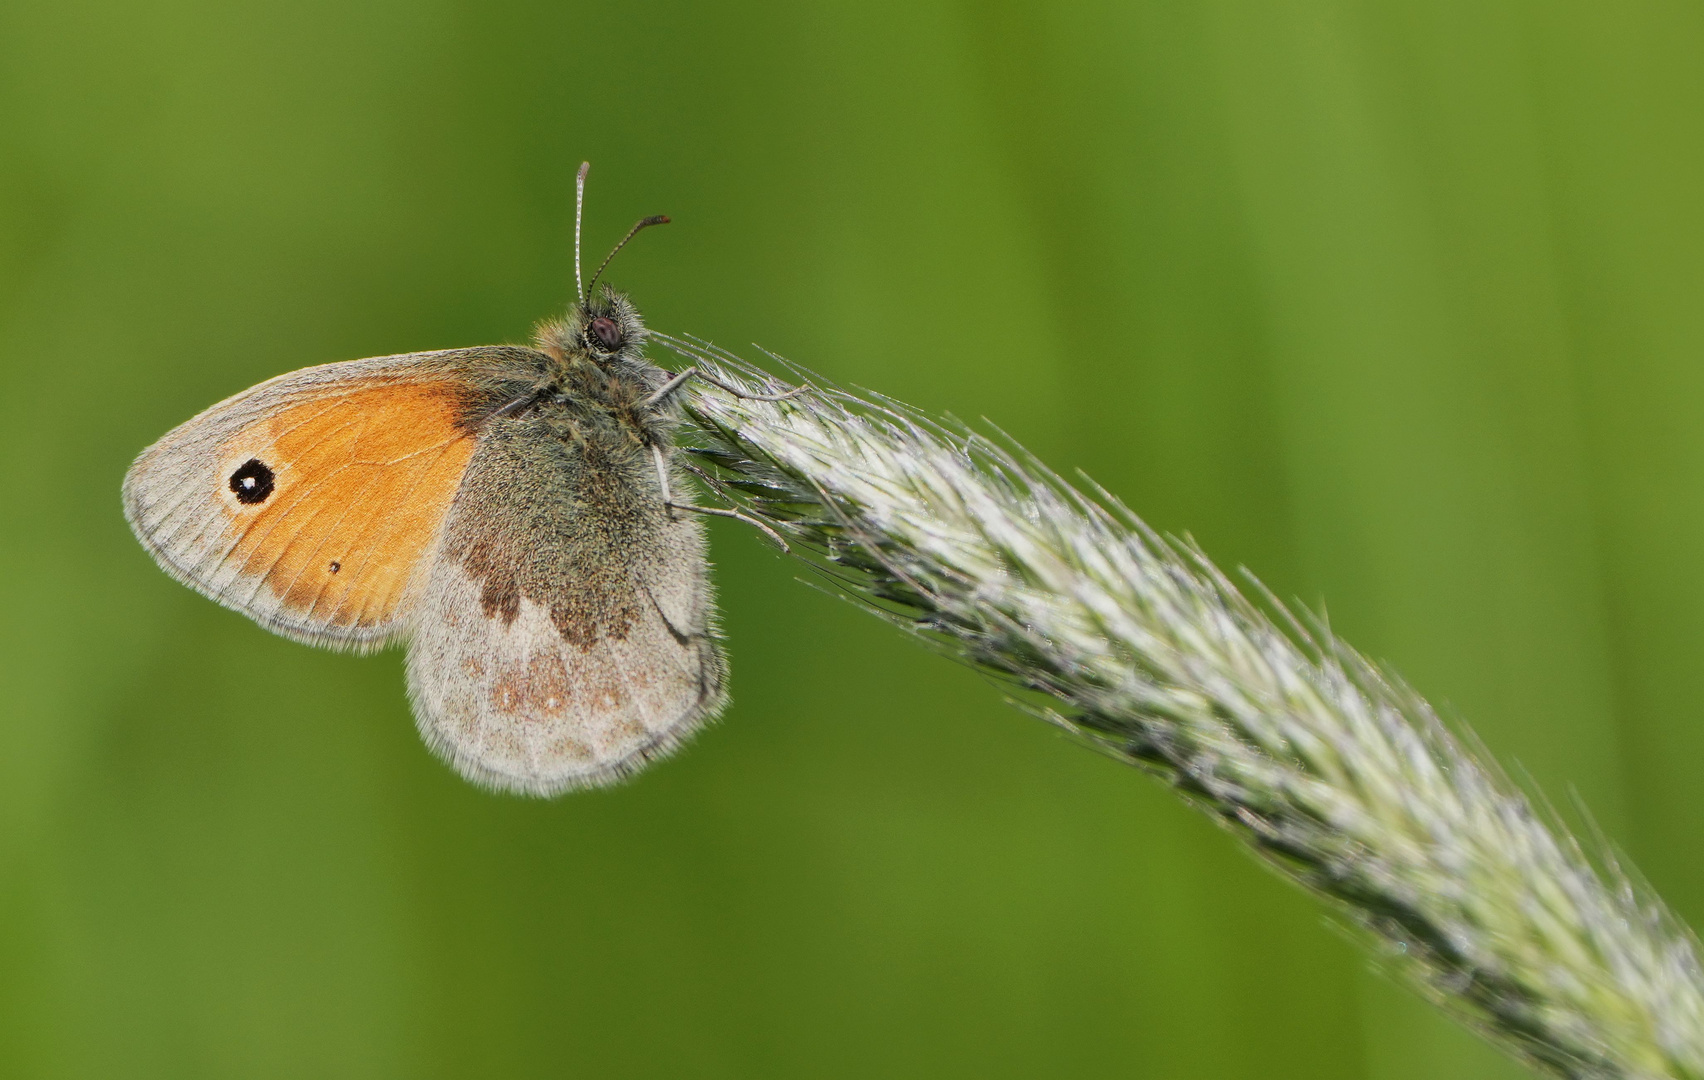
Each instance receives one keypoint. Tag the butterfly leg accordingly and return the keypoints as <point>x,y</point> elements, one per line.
<point>680,379</point>
<point>671,505</point>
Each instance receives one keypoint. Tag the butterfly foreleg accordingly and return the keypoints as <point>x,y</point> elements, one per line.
<point>669,503</point>
<point>679,380</point>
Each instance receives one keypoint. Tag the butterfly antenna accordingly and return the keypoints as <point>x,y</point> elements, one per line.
<point>579,206</point>
<point>642,223</point>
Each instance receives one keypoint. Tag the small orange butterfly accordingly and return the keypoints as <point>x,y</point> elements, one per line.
<point>506,510</point>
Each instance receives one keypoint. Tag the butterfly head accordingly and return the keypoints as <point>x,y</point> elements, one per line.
<point>608,327</point>
<point>604,329</point>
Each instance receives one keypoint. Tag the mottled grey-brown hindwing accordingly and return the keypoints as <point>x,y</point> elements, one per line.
<point>566,630</point>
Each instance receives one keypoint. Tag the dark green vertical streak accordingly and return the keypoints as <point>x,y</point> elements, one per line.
<point>1149,282</point>
<point>1395,198</point>
<point>1119,148</point>
<point>1622,133</point>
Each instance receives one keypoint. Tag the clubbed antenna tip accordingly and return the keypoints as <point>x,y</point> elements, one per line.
<point>642,223</point>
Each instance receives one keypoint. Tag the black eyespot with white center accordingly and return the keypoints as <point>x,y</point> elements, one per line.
<point>252,482</point>
<point>606,331</point>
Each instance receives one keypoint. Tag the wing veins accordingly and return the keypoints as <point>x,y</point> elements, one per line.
<point>396,523</point>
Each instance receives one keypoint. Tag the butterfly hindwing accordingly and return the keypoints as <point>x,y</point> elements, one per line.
<point>312,502</point>
<point>564,635</point>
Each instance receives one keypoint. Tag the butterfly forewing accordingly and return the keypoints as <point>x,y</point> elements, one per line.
<point>312,502</point>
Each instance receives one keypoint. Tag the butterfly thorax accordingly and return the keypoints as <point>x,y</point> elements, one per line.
<point>599,382</point>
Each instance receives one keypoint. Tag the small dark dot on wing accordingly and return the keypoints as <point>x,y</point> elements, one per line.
<point>336,566</point>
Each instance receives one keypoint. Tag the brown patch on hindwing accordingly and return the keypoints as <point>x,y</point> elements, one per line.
<point>518,707</point>
<point>561,523</point>
<point>544,687</point>
<point>582,619</point>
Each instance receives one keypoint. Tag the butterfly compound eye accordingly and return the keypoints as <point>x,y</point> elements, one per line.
<point>607,332</point>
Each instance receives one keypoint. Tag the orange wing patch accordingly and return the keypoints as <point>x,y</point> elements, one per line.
<point>333,502</point>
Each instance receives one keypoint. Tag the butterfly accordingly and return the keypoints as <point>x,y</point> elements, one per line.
<point>508,511</point>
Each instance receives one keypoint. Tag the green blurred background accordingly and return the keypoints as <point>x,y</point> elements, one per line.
<point>1397,303</point>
